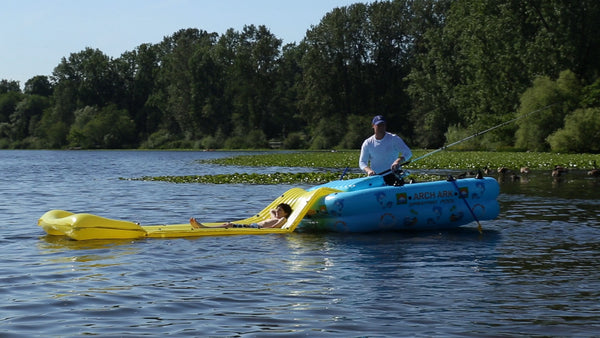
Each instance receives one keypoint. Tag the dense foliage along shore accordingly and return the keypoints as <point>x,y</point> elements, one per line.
<point>439,70</point>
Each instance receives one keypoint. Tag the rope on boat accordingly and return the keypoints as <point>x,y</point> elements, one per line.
<point>344,173</point>
<point>464,198</point>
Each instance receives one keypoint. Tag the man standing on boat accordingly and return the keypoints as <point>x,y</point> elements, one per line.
<point>382,152</point>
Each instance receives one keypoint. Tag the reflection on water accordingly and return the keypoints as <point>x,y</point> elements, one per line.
<point>533,272</point>
<point>573,185</point>
<point>84,255</point>
<point>52,244</point>
<point>82,267</point>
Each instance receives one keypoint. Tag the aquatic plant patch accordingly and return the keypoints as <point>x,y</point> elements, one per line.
<point>461,160</point>
<point>330,165</point>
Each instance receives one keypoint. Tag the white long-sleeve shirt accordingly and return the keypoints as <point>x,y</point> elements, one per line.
<point>380,154</point>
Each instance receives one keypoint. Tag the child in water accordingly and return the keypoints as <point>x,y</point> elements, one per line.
<point>278,218</point>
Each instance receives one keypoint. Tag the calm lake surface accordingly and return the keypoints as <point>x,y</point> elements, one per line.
<point>535,271</point>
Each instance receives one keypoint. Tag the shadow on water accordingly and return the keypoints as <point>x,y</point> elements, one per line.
<point>462,234</point>
<point>376,250</point>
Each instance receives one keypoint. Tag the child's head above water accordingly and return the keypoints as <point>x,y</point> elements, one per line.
<point>285,208</point>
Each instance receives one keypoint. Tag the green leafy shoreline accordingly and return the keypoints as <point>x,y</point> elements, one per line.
<point>330,165</point>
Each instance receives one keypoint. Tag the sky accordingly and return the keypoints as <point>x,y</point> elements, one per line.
<point>36,34</point>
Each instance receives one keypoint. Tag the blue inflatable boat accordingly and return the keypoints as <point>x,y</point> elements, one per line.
<point>367,205</point>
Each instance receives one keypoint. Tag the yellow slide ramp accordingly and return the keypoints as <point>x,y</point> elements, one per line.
<point>87,226</point>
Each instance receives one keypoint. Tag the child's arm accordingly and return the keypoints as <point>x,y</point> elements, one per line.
<point>273,223</point>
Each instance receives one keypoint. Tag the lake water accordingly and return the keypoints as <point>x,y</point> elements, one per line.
<point>535,271</point>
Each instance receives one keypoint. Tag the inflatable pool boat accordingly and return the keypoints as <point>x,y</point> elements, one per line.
<point>367,204</point>
<point>85,226</point>
<point>356,205</point>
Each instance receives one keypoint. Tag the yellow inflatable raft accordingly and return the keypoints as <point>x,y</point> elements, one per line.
<point>87,226</point>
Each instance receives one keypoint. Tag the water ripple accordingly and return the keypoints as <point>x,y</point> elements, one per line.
<point>533,272</point>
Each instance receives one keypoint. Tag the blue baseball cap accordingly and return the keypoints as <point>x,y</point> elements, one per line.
<point>378,119</point>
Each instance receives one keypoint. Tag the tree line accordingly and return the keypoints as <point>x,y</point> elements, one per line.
<point>439,70</point>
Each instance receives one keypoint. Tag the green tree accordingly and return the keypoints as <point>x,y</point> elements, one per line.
<point>286,118</point>
<point>27,115</point>
<point>87,78</point>
<point>359,128</point>
<point>7,86</point>
<point>437,69</point>
<point>106,128</point>
<point>9,100</point>
<point>138,70</point>
<point>355,64</point>
<point>177,80</point>
<point>476,65</point>
<point>8,103</point>
<point>207,91</point>
<point>580,134</point>
<point>333,73</point>
<point>250,60</point>
<point>89,75</point>
<point>52,129</point>
<point>38,85</point>
<point>560,97</point>
<point>391,36</point>
<point>591,95</point>
<point>433,75</point>
<point>77,134</point>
